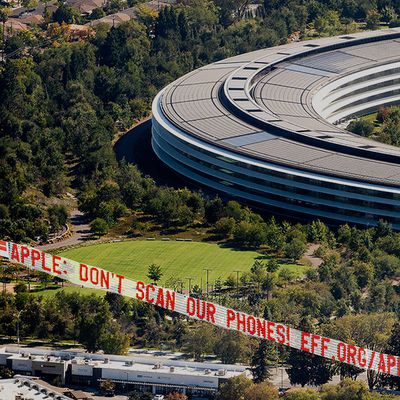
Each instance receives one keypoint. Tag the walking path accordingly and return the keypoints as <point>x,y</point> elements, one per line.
<point>309,255</point>
<point>80,232</point>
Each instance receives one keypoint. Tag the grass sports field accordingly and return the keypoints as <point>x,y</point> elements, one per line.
<point>177,259</point>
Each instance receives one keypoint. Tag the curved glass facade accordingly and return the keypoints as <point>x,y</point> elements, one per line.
<point>258,128</point>
<point>312,195</point>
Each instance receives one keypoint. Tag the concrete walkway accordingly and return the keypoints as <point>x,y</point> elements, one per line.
<point>309,255</point>
<point>80,232</point>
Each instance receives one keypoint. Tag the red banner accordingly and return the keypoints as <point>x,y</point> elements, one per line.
<point>98,278</point>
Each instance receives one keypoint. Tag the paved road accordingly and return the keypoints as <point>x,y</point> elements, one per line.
<point>315,261</point>
<point>80,232</point>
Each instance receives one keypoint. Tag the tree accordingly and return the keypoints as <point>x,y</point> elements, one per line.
<point>361,127</point>
<point>234,388</point>
<point>94,322</point>
<point>230,281</point>
<point>295,249</point>
<point>388,14</point>
<point>58,216</point>
<point>107,386</point>
<point>272,265</point>
<point>200,341</point>
<point>317,232</point>
<point>364,273</point>
<point>391,132</point>
<point>386,266</point>
<point>114,340</point>
<point>232,347</point>
<point>117,303</point>
<point>269,284</point>
<point>302,394</point>
<point>20,288</point>
<point>307,369</point>
<point>373,19</point>
<point>99,227</point>
<point>346,390</point>
<point>146,15</point>
<point>286,275</point>
<point>176,396</point>
<point>214,210</point>
<point>264,356</point>
<point>321,25</point>
<point>262,391</point>
<point>275,238</point>
<point>370,331</point>
<point>136,396</point>
<point>97,13</point>
<point>225,226</point>
<point>154,273</point>
<point>249,234</point>
<point>329,23</point>
<point>6,373</point>
<point>393,347</point>
<point>66,14</point>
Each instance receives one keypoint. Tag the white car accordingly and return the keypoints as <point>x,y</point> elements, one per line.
<point>158,397</point>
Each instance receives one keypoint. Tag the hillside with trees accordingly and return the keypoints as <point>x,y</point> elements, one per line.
<point>64,101</point>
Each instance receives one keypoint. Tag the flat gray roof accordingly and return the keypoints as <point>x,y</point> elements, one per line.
<point>259,104</point>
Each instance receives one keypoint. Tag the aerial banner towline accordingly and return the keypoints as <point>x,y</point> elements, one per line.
<point>97,278</point>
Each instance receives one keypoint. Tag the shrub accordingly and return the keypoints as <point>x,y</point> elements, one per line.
<point>361,127</point>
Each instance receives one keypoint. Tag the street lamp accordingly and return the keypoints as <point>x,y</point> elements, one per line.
<point>237,280</point>
<point>207,271</point>
<point>181,283</point>
<point>189,278</point>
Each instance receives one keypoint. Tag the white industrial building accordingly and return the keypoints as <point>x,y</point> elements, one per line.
<point>26,389</point>
<point>146,373</point>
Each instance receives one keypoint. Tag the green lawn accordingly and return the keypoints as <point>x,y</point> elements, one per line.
<point>177,259</point>
<point>48,293</point>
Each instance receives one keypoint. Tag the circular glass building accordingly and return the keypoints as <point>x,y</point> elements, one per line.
<point>264,128</point>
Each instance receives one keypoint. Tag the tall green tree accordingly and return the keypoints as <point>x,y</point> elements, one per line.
<point>154,273</point>
<point>264,356</point>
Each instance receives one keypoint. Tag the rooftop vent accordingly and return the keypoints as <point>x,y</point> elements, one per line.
<point>325,137</point>
<point>221,372</point>
<point>106,360</point>
<point>367,147</point>
<point>171,369</point>
<point>347,37</point>
<point>311,45</point>
<point>207,371</point>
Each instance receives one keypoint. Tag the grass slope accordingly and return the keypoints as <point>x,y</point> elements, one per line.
<point>177,259</point>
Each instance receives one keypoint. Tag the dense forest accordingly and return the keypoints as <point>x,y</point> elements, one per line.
<point>63,102</point>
